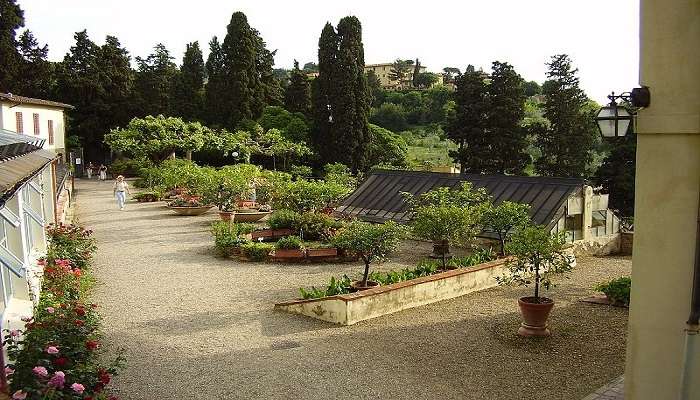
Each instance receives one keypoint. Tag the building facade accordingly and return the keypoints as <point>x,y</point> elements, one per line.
<point>42,119</point>
<point>383,71</point>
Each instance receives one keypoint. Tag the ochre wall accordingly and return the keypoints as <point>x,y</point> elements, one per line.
<point>667,190</point>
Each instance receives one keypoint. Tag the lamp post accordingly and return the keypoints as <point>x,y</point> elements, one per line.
<point>614,120</point>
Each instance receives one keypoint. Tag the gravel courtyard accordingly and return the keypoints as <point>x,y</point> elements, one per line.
<point>195,326</point>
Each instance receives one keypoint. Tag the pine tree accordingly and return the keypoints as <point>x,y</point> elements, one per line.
<point>568,142</point>
<point>188,90</point>
<point>468,129</point>
<point>154,80</point>
<point>243,96</point>
<point>297,97</point>
<point>506,136</point>
<point>11,19</point>
<point>617,173</point>
<point>215,114</point>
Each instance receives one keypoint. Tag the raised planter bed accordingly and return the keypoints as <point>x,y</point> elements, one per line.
<point>250,216</point>
<point>271,234</point>
<point>348,309</point>
<point>190,211</point>
<point>322,252</point>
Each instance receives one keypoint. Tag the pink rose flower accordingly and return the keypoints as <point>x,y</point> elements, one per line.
<point>52,350</point>
<point>19,395</point>
<point>77,388</point>
<point>58,379</point>
<point>14,333</point>
<point>9,371</point>
<point>40,371</point>
<point>50,310</point>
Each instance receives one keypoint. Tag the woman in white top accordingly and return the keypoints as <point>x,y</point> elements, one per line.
<point>120,190</point>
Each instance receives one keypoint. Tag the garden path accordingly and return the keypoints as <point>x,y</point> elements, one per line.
<point>195,326</point>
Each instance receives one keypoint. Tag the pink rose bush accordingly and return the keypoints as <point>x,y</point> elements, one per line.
<point>57,354</point>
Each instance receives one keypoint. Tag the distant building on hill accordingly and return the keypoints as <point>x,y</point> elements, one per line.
<point>383,71</point>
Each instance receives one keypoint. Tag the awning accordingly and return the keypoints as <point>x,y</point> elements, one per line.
<point>14,172</point>
<point>14,144</point>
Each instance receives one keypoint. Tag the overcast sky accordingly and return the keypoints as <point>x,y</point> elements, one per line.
<point>602,36</point>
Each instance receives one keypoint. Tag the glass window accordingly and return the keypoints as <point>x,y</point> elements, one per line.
<point>599,223</point>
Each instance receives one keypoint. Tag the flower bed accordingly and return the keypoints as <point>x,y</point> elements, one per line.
<point>58,354</point>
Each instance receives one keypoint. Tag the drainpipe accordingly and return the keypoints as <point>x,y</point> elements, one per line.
<point>692,331</point>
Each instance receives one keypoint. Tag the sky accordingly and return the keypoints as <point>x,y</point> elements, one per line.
<point>601,36</point>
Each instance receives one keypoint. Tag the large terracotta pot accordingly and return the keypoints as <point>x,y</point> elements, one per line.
<point>322,252</point>
<point>535,316</point>
<point>271,234</point>
<point>225,215</point>
<point>250,216</point>
<point>289,253</point>
<point>190,210</point>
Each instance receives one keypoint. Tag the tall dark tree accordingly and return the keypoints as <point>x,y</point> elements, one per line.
<point>297,97</point>
<point>532,88</point>
<point>154,82</point>
<point>342,97</point>
<point>567,143</point>
<point>117,79</point>
<point>79,84</point>
<point>37,73</point>
<point>508,139</point>
<point>468,128</point>
<point>243,95</point>
<point>11,19</point>
<point>416,73</point>
<point>265,61</point>
<point>616,175</point>
<point>375,89</point>
<point>215,112</point>
<point>188,90</point>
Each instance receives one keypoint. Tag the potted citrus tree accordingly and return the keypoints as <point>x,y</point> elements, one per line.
<point>371,242</point>
<point>537,255</point>
<point>504,218</point>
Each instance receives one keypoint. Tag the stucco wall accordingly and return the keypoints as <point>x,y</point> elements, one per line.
<point>9,122</point>
<point>667,189</point>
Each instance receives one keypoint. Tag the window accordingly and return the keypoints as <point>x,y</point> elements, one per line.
<point>20,123</point>
<point>36,124</point>
<point>50,132</point>
<point>599,223</point>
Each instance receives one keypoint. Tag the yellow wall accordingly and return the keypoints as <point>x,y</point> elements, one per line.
<point>667,190</point>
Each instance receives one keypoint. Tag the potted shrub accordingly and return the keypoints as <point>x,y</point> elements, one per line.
<point>255,251</point>
<point>282,223</point>
<point>504,218</point>
<point>228,237</point>
<point>188,206</point>
<point>538,255</point>
<point>617,291</point>
<point>289,247</point>
<point>371,242</point>
<point>322,251</point>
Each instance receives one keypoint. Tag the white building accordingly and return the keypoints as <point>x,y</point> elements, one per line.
<point>42,119</point>
<point>33,193</point>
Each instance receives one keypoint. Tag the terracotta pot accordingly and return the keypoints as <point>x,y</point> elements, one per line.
<point>246,204</point>
<point>250,217</point>
<point>264,233</point>
<point>290,253</point>
<point>225,215</point>
<point>357,285</point>
<point>322,252</point>
<point>190,210</point>
<point>535,316</point>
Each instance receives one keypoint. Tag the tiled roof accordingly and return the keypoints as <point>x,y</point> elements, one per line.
<point>378,198</point>
<point>28,100</point>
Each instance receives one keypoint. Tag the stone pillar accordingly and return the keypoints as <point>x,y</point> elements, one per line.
<point>667,188</point>
<point>587,211</point>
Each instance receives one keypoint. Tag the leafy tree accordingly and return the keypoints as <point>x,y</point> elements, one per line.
<point>297,97</point>
<point>506,138</point>
<point>504,218</point>
<point>215,88</point>
<point>425,79</point>
<point>616,175</point>
<point>188,90</point>
<point>117,79</point>
<point>415,108</point>
<point>387,148</point>
<point>375,89</point>
<point>399,70</point>
<point>532,88</point>
<point>372,242</point>
<point>274,145</point>
<point>154,82</point>
<point>468,128</point>
<point>292,125</point>
<point>450,74</point>
<point>567,143</point>
<point>11,19</point>
<point>389,116</point>
<point>436,107</point>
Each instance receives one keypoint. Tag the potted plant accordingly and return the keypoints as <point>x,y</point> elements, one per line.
<point>504,218</point>
<point>188,206</point>
<point>371,242</point>
<point>617,291</point>
<point>537,255</point>
<point>290,247</point>
<point>282,223</point>
<point>322,251</point>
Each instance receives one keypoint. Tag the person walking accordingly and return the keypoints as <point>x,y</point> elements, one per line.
<point>89,169</point>
<point>120,190</point>
<point>103,172</point>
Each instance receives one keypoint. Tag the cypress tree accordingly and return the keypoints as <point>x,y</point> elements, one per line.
<point>154,81</point>
<point>265,62</point>
<point>214,113</point>
<point>117,80</point>
<point>507,138</point>
<point>297,97</point>
<point>11,19</point>
<point>37,73</point>
<point>567,143</point>
<point>243,96</point>
<point>468,129</point>
<point>324,94</point>
<point>616,175</point>
<point>188,90</point>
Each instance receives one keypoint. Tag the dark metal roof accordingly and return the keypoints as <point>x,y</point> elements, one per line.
<point>379,199</point>
<point>14,172</point>
<point>29,100</point>
<point>15,144</point>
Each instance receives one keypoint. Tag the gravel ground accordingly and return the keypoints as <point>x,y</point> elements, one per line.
<point>199,327</point>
